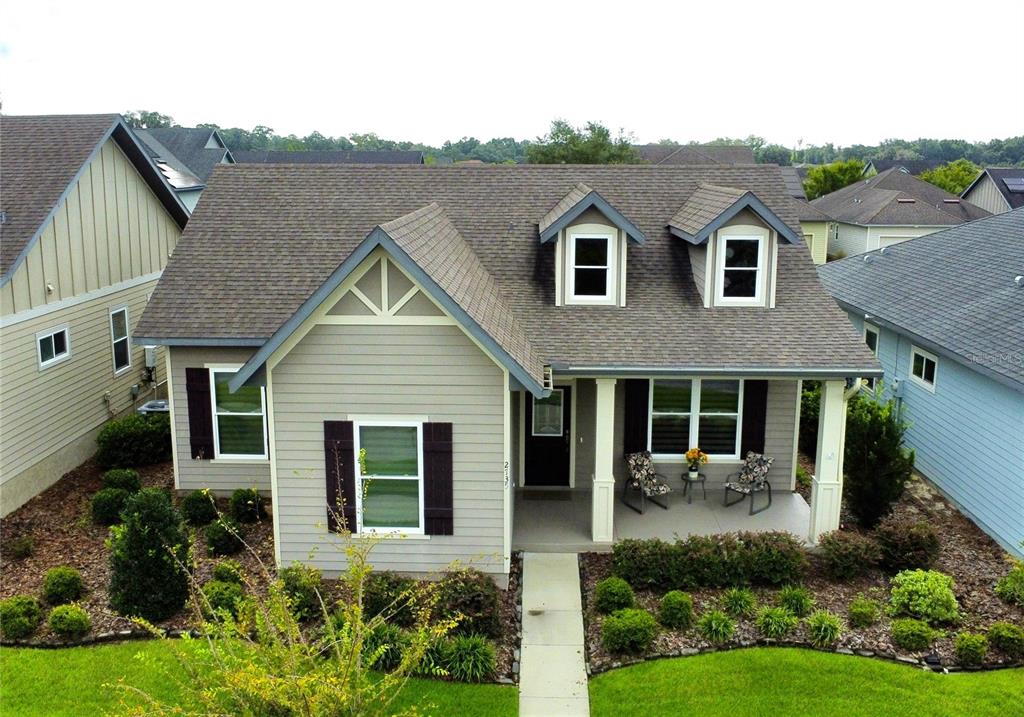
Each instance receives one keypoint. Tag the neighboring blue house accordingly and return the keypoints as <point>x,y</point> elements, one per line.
<point>945,315</point>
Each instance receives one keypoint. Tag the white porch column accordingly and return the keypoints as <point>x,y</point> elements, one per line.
<point>603,496</point>
<point>827,485</point>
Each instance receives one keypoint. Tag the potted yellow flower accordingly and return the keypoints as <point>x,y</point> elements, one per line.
<point>695,457</point>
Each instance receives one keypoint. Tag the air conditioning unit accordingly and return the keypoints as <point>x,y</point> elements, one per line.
<point>151,357</point>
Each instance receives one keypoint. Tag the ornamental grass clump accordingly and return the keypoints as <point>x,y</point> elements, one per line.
<point>676,610</point>
<point>797,599</point>
<point>824,628</point>
<point>612,594</point>
<point>926,595</point>
<point>776,622</point>
<point>739,602</point>
<point>716,627</point>
<point>470,658</point>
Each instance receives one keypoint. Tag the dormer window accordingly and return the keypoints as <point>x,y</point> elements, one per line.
<point>591,266</point>
<point>741,267</point>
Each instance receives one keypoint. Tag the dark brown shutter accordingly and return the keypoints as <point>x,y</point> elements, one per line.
<point>437,479</point>
<point>339,457</point>
<point>200,412</point>
<point>634,434</point>
<point>755,407</point>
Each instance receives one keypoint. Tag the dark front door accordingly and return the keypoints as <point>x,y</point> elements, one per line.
<point>548,436</point>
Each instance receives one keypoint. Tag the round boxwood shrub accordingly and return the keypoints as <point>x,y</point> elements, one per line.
<point>905,545</point>
<point>223,596</point>
<point>797,599</point>
<point>911,634</point>
<point>302,586</point>
<point>970,648</point>
<point>739,602</point>
<point>229,571</point>
<point>70,622</point>
<point>246,506</point>
<point>612,594</point>
<point>19,616</point>
<point>629,630</point>
<point>135,440</point>
<point>863,611</point>
<point>470,658</point>
<point>124,478</point>
<point>473,596</point>
<point>924,594</point>
<point>62,585</point>
<point>384,646</point>
<point>676,610</point>
<point>716,627</point>
<point>1010,587</point>
<point>848,555</point>
<point>1007,638</point>
<point>107,505</point>
<point>198,507</point>
<point>148,555</point>
<point>776,622</point>
<point>390,594</point>
<point>223,536</point>
<point>824,628</point>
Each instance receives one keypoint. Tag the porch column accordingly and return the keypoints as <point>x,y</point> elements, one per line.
<point>827,484</point>
<point>603,496</point>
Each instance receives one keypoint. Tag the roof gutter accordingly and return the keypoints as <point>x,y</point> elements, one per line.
<point>808,372</point>
<point>205,341</point>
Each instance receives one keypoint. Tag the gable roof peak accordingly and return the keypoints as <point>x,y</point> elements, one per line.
<point>579,199</point>
<point>710,206</point>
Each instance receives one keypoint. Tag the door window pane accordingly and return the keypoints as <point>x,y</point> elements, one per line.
<point>547,414</point>
<point>390,450</point>
<point>389,503</point>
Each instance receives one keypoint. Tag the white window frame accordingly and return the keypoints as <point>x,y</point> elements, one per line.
<point>746,233</point>
<point>695,413</point>
<point>592,231</point>
<point>927,356</point>
<point>561,417</point>
<point>869,383</point>
<point>113,341</point>
<point>57,358</point>
<point>392,423</point>
<point>217,455</point>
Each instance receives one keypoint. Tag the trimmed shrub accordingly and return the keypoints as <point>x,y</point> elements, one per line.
<point>388,593</point>
<point>229,571</point>
<point>716,627</point>
<point>848,555</point>
<point>772,558</point>
<point>199,508</point>
<point>246,506</point>
<point>646,563</point>
<point>629,630</point>
<point>612,594</point>
<point>62,585</point>
<point>19,616</point>
<point>876,463</point>
<point>107,505</point>
<point>19,548</point>
<point>472,595</point>
<point>776,622</point>
<point>970,648</point>
<point>384,646</point>
<point>223,536</point>
<point>907,546</point>
<point>924,594</point>
<point>224,596</point>
<point>469,658</point>
<point>124,478</point>
<point>739,602</point>
<point>70,622</point>
<point>911,634</point>
<point>824,628</point>
<point>676,610</point>
<point>135,440</point>
<point>1007,638</point>
<point>797,599</point>
<point>1010,587</point>
<point>302,586</point>
<point>148,555</point>
<point>863,611</point>
<point>712,561</point>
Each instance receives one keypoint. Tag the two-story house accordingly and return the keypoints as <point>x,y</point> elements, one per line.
<point>87,223</point>
<point>413,346</point>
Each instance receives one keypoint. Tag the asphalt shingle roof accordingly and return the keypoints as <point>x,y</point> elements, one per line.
<point>999,175</point>
<point>895,198</point>
<point>913,166</point>
<point>694,154</point>
<point>954,288</point>
<point>340,156</point>
<point>266,236</point>
<point>575,195</point>
<point>706,203</point>
<point>794,184</point>
<point>188,145</point>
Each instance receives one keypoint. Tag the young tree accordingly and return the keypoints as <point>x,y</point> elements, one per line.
<point>592,144</point>
<point>954,176</point>
<point>830,177</point>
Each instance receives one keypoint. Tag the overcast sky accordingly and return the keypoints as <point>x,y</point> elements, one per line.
<point>430,71</point>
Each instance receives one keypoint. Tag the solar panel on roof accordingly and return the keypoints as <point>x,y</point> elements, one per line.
<point>1015,184</point>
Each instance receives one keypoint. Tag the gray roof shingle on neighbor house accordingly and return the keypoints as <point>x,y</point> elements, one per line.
<point>912,166</point>
<point>189,146</point>
<point>794,184</point>
<point>894,198</point>
<point>807,212</point>
<point>954,289</point>
<point>180,176</point>
<point>692,154</point>
<point>318,156</point>
<point>265,237</point>
<point>999,175</point>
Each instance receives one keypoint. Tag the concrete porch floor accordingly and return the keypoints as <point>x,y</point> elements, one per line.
<point>559,521</point>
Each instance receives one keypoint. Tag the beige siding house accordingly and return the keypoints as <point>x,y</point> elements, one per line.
<point>88,227</point>
<point>997,189</point>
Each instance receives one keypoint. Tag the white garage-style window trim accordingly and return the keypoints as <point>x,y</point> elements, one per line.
<point>924,368</point>
<point>53,346</point>
<point>119,340</point>
<point>591,265</point>
<point>683,413</point>
<point>389,470</point>
<point>741,265</point>
<point>239,418</point>
<point>871,337</point>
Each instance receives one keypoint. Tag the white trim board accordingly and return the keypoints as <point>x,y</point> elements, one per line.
<point>45,309</point>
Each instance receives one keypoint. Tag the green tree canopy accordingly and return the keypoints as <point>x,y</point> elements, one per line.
<point>954,176</point>
<point>591,144</point>
<point>145,119</point>
<point>829,177</point>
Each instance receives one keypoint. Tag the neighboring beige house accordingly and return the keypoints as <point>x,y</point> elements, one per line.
<point>817,227</point>
<point>87,224</point>
<point>997,189</point>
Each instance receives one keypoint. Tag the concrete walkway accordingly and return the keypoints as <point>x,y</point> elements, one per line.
<point>552,671</point>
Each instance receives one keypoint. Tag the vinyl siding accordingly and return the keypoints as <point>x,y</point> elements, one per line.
<point>339,371</point>
<point>698,264</point>
<point>816,236</point>
<point>986,195</point>
<point>221,476</point>
<point>849,239</point>
<point>968,414</point>
<point>879,236</point>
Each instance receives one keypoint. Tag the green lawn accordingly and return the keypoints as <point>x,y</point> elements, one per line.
<point>780,681</point>
<point>71,682</point>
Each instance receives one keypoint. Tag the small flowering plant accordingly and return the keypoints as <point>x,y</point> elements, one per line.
<point>695,458</point>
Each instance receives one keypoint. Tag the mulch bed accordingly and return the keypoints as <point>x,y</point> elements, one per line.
<point>973,559</point>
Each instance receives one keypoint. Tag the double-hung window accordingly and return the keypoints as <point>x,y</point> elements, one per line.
<point>741,268</point>
<point>695,412</point>
<point>591,261</point>
<point>389,489</point>
<point>871,339</point>
<point>239,418</point>
<point>923,367</point>
<point>119,339</point>
<point>52,347</point>
<point>671,408</point>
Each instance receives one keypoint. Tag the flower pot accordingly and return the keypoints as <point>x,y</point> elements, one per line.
<point>694,472</point>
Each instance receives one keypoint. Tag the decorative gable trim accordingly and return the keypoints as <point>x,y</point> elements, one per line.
<point>747,201</point>
<point>550,226</point>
